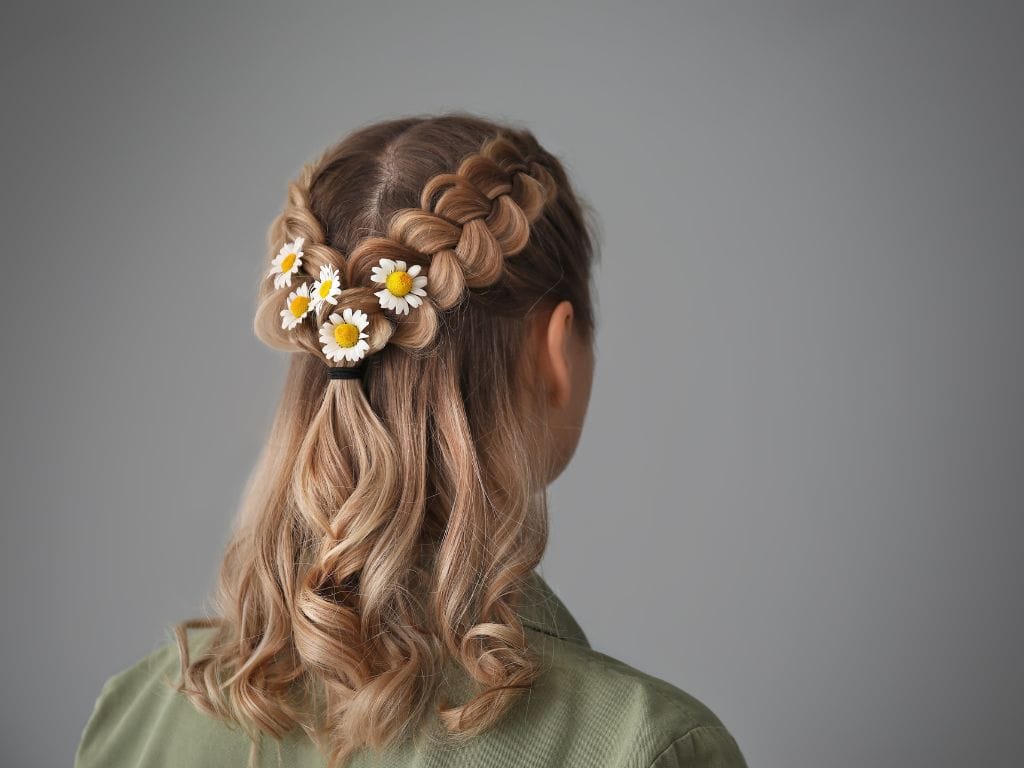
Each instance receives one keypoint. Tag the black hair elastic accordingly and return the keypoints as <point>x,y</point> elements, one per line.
<point>355,372</point>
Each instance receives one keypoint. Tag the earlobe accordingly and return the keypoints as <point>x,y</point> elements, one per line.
<point>558,335</point>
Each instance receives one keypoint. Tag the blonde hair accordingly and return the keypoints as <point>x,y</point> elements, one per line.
<point>389,524</point>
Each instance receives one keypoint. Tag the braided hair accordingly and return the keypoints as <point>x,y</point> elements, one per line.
<point>370,586</point>
<point>467,223</point>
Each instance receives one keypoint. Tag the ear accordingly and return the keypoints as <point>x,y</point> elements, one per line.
<point>557,363</point>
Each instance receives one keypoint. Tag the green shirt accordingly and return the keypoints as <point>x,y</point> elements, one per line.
<point>586,709</point>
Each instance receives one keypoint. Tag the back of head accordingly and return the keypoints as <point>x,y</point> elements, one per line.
<point>393,516</point>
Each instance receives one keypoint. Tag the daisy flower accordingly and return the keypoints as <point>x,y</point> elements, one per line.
<point>296,308</point>
<point>344,336</point>
<point>403,287</point>
<point>287,263</point>
<point>327,287</point>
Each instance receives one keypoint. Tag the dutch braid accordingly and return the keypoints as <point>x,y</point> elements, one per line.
<point>469,221</point>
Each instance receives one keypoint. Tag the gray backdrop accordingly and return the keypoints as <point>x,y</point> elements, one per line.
<point>798,493</point>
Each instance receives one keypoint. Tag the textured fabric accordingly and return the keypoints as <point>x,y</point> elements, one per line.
<point>587,709</point>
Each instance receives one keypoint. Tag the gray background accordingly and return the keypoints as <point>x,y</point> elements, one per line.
<point>798,493</point>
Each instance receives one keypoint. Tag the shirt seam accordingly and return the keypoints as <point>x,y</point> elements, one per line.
<point>592,659</point>
<point>546,630</point>
<point>661,695</point>
<point>688,735</point>
<point>542,629</point>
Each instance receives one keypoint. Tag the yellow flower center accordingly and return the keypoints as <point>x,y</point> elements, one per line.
<point>346,334</point>
<point>299,306</point>
<point>399,283</point>
<point>287,261</point>
<point>325,288</point>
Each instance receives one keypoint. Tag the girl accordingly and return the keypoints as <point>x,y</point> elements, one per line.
<point>378,602</point>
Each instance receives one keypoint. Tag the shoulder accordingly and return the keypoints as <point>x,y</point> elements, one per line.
<point>138,712</point>
<point>622,716</point>
<point>586,709</point>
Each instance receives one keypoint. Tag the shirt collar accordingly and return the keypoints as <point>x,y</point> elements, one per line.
<point>541,609</point>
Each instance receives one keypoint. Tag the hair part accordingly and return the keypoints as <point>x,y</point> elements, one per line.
<point>386,530</point>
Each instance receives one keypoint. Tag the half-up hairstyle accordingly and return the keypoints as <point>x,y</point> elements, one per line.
<point>387,530</point>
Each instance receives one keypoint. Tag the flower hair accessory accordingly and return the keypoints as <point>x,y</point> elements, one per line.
<point>403,286</point>
<point>287,263</point>
<point>327,288</point>
<point>344,336</point>
<point>296,308</point>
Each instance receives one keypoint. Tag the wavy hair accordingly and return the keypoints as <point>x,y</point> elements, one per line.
<point>389,524</point>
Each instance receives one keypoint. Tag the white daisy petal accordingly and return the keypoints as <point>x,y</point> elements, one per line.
<point>328,287</point>
<point>296,307</point>
<point>292,253</point>
<point>328,335</point>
